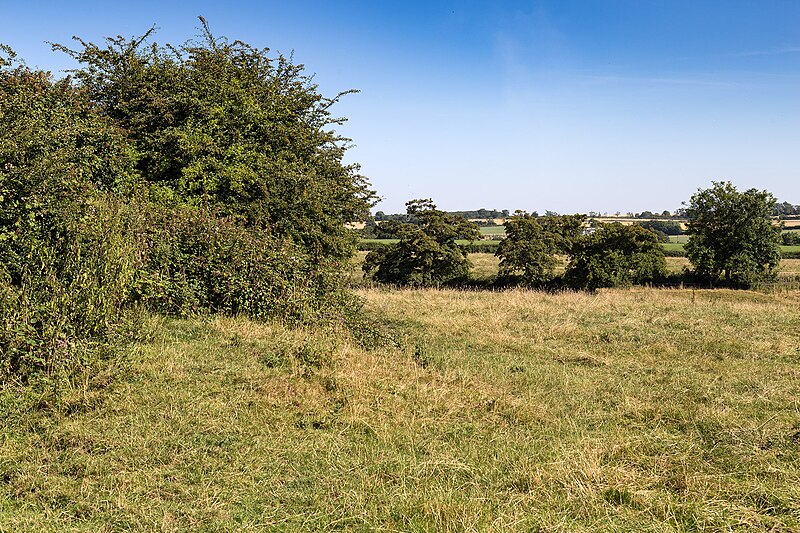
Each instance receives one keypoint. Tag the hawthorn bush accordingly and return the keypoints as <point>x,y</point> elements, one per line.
<point>199,178</point>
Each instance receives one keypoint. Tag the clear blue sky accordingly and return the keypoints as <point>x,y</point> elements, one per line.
<point>572,106</point>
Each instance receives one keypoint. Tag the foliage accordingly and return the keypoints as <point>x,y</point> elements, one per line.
<point>664,226</point>
<point>199,262</point>
<point>481,213</point>
<point>67,258</point>
<point>71,300</point>
<point>199,178</point>
<point>55,152</point>
<point>470,247</point>
<point>616,256</point>
<point>531,243</point>
<point>790,238</point>
<point>426,253</point>
<point>786,209</point>
<point>227,126</point>
<point>732,237</point>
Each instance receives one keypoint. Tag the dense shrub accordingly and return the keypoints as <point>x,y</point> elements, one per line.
<point>616,256</point>
<point>790,238</point>
<point>199,178</point>
<point>198,262</point>
<point>231,127</point>
<point>67,259</point>
<point>72,296</point>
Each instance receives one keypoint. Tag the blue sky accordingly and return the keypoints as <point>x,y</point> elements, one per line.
<point>572,106</point>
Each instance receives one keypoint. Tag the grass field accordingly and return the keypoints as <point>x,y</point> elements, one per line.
<point>655,410</point>
<point>493,230</point>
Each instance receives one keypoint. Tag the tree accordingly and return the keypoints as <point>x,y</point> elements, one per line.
<point>426,253</point>
<point>532,243</point>
<point>662,226</point>
<point>233,128</point>
<point>616,256</point>
<point>732,237</point>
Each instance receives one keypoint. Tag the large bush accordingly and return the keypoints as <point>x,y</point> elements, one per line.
<point>197,178</point>
<point>235,129</point>
<point>616,256</point>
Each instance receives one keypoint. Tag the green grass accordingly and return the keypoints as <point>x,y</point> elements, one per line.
<point>673,246</point>
<point>493,230</point>
<point>628,410</point>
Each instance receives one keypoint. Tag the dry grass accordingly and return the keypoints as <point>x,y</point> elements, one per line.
<point>652,410</point>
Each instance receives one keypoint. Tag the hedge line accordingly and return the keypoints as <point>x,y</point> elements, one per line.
<point>491,246</point>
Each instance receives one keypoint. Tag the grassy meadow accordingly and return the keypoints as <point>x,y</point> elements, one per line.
<point>649,410</point>
<point>492,230</point>
<point>641,409</point>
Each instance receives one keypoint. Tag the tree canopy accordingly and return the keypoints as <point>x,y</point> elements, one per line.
<point>732,236</point>
<point>231,127</point>
<point>532,242</point>
<point>616,255</point>
<point>427,253</point>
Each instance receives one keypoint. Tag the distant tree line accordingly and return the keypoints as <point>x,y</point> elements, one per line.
<point>733,242</point>
<point>482,214</point>
<point>783,209</point>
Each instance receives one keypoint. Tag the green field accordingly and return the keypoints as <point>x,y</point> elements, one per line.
<point>493,230</point>
<point>657,410</point>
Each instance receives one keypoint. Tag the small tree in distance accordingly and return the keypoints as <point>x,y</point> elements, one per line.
<point>732,237</point>
<point>426,253</point>
<point>532,243</point>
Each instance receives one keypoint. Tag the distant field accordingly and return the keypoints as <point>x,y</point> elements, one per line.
<point>493,230</point>
<point>674,246</point>
<point>678,238</point>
